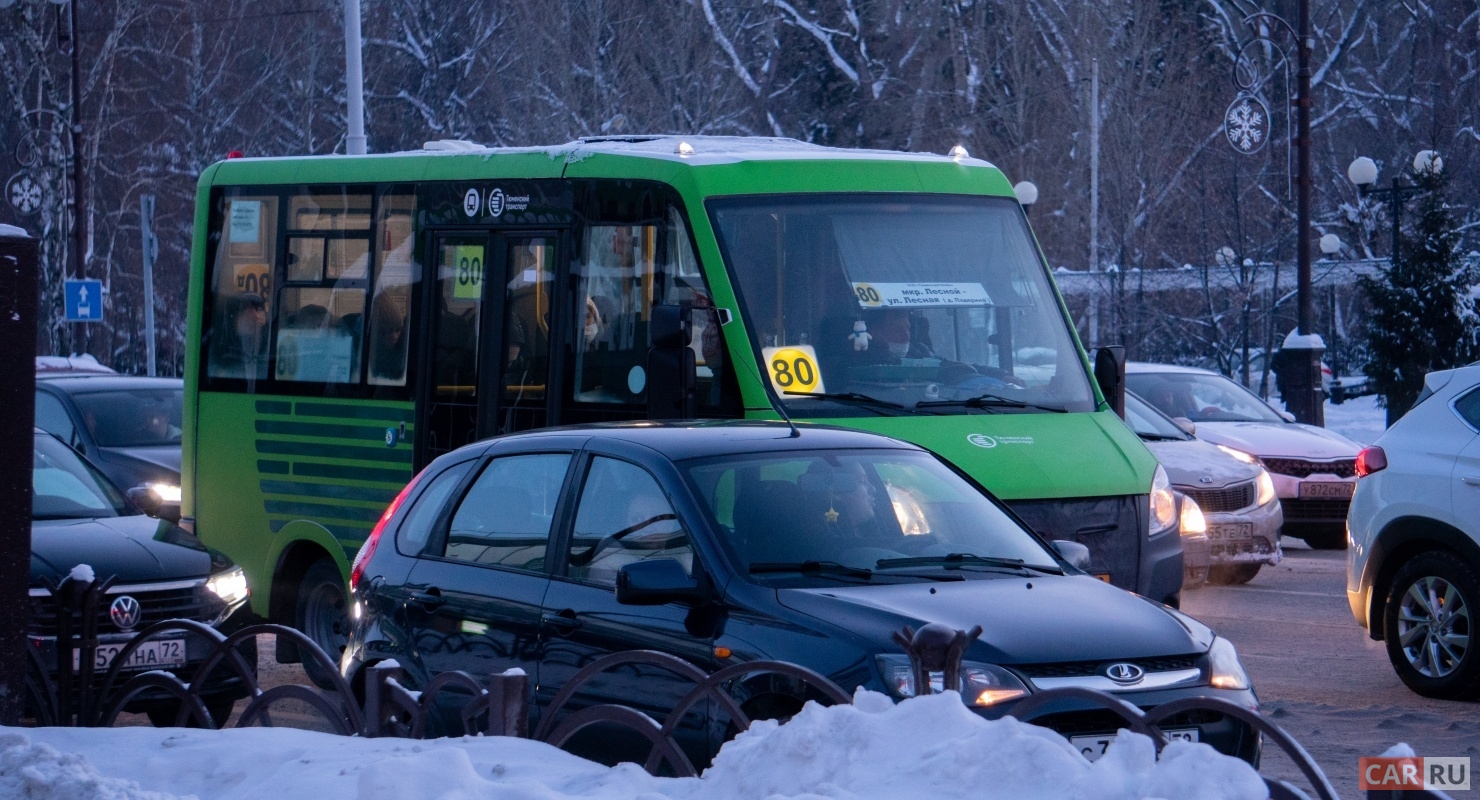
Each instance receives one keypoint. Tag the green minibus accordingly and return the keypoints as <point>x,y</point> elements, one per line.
<point>351,318</point>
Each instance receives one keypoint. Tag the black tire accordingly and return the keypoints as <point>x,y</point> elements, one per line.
<point>164,716</point>
<point>1326,540</point>
<point>1430,666</point>
<point>1232,574</point>
<point>322,613</point>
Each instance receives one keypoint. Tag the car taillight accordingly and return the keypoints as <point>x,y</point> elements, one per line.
<point>1370,460</point>
<point>357,568</point>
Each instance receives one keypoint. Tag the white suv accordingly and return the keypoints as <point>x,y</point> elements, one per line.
<point>1413,565</point>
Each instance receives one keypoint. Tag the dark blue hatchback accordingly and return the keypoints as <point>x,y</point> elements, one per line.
<point>729,542</point>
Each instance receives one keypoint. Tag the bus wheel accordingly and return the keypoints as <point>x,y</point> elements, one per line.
<point>323,615</point>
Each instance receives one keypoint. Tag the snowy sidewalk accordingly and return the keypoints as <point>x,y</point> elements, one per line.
<point>930,747</point>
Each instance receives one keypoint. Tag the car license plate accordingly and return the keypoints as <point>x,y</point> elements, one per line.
<point>153,654</point>
<point>1231,532</point>
<point>1326,490</point>
<point>1092,747</point>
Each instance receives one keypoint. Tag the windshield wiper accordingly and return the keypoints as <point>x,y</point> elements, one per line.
<point>874,404</point>
<point>990,401</point>
<point>1157,437</point>
<point>964,559</point>
<point>824,567</point>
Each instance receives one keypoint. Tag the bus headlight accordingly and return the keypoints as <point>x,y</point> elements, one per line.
<point>1227,672</point>
<point>1163,503</point>
<point>981,684</point>
<point>230,586</point>
<point>1266,487</point>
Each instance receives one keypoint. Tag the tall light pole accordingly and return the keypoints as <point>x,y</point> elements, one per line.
<point>354,80</point>
<point>1363,172</point>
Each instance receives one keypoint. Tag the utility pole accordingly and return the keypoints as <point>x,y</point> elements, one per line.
<point>79,188</point>
<point>1311,403</point>
<point>18,254</point>
<point>151,252</point>
<point>1094,200</point>
<point>354,80</point>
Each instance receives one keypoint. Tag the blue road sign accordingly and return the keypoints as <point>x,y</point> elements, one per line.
<point>84,300</point>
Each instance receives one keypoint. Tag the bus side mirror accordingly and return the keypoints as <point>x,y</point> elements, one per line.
<point>1110,375</point>
<point>672,374</point>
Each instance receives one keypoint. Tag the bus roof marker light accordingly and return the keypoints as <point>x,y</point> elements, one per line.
<point>685,149</point>
<point>958,152</point>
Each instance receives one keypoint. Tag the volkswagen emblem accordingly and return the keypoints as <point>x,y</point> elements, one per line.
<point>1125,674</point>
<point>125,612</point>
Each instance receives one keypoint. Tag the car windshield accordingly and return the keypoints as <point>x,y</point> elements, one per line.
<point>1200,397</point>
<point>132,418</point>
<point>64,487</point>
<point>904,299</point>
<point>1148,423</point>
<point>780,512</point>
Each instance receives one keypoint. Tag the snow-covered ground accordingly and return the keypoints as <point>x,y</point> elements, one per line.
<point>927,747</point>
<point>1360,419</point>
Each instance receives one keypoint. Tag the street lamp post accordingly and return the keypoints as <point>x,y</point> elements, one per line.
<point>1363,172</point>
<point>1027,193</point>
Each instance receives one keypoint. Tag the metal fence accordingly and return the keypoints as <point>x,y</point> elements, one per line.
<point>502,702</point>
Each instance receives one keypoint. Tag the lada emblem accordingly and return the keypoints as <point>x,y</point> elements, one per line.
<point>1125,674</point>
<point>125,612</point>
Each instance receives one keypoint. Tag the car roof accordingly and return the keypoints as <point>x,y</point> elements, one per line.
<point>82,383</point>
<point>1148,368</point>
<point>685,439</point>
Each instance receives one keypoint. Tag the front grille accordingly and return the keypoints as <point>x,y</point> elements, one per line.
<point>155,605</point>
<point>1297,510</point>
<point>1231,498</point>
<point>1300,468</point>
<point>1077,669</point>
<point>1074,723</point>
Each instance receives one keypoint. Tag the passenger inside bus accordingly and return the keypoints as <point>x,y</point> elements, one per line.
<point>240,348</point>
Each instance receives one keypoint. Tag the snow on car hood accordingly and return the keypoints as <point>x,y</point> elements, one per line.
<point>1279,439</point>
<point>1187,463</point>
<point>1038,620</point>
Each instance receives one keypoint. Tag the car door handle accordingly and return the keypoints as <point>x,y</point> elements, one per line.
<point>431,599</point>
<point>1471,480</point>
<point>564,621</point>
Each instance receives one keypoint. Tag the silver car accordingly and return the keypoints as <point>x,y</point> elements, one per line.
<point>1241,515</point>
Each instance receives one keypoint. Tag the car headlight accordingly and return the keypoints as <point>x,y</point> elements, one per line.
<point>167,493</point>
<point>1228,673</point>
<point>230,586</point>
<point>981,684</point>
<point>1163,503</point>
<point>1193,522</point>
<point>1266,487</point>
<point>1247,458</point>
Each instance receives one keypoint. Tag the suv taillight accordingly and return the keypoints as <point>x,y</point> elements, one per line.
<point>1370,460</point>
<point>357,568</point>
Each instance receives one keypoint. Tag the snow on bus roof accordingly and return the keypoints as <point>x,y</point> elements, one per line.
<point>699,150</point>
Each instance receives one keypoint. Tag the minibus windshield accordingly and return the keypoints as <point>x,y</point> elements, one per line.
<point>900,304</point>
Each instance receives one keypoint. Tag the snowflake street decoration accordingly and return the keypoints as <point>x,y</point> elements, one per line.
<point>23,193</point>
<point>1246,124</point>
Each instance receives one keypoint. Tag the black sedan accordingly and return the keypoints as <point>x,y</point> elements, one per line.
<point>78,518</point>
<point>733,542</point>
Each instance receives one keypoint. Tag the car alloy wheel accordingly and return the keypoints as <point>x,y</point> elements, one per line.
<point>1434,626</point>
<point>1428,621</point>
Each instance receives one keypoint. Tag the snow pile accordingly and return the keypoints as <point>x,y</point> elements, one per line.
<point>1360,419</point>
<point>83,573</point>
<point>927,747</point>
<point>40,772</point>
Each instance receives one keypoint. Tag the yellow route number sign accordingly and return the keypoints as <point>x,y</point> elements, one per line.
<point>793,369</point>
<point>254,279</point>
<point>468,272</point>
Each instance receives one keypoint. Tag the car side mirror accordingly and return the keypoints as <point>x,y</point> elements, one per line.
<point>1186,425</point>
<point>1073,552</point>
<point>148,501</point>
<point>1284,415</point>
<point>657,581</point>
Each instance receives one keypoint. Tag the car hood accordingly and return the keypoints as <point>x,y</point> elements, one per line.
<point>137,549</point>
<point>1060,618</point>
<point>150,459</point>
<point>1200,465</point>
<point>1279,439</point>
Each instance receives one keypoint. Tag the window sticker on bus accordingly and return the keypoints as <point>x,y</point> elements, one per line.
<point>793,369</point>
<point>920,295</point>
<point>246,221</point>
<point>253,279</point>
<point>469,276</point>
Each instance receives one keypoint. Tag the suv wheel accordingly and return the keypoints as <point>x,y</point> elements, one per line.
<point>1326,540</point>
<point>1428,622</point>
<point>1232,574</point>
<point>322,614</point>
